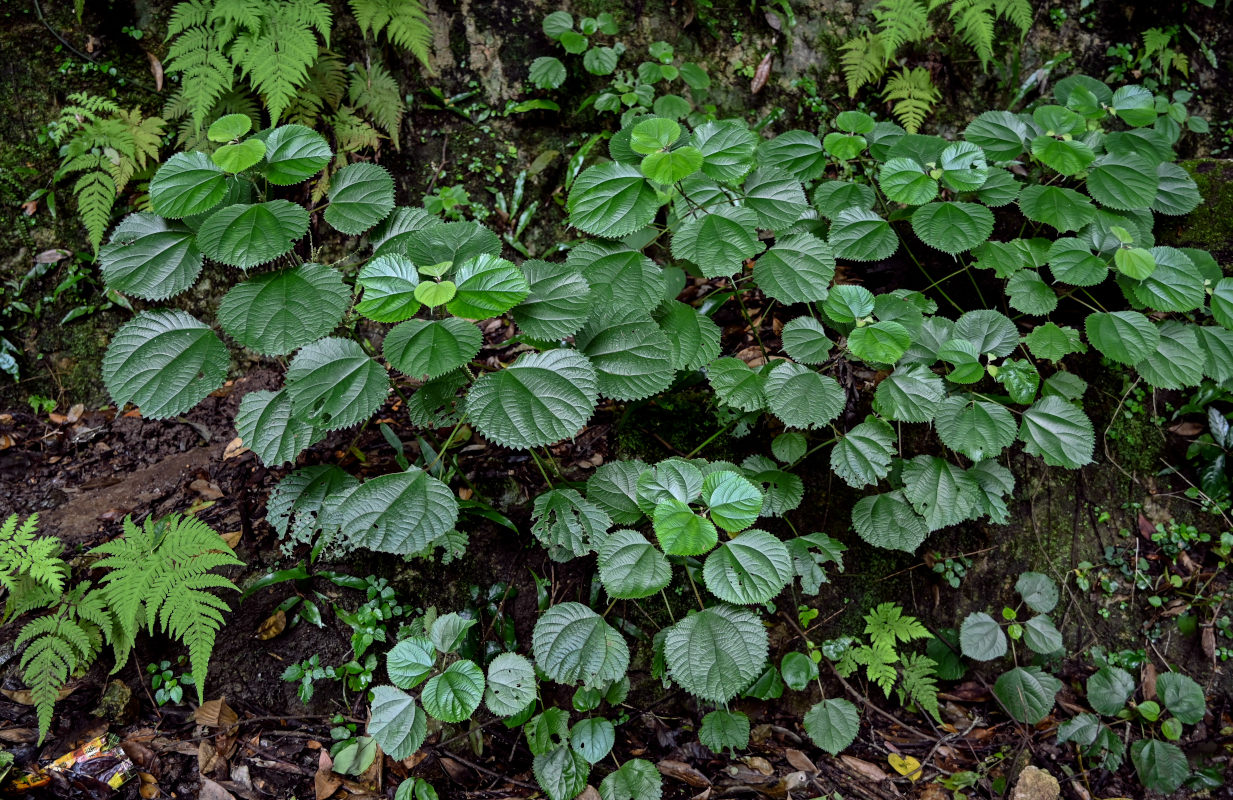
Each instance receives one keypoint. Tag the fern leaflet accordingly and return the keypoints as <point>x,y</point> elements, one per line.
<point>913,96</point>
<point>404,21</point>
<point>919,683</point>
<point>375,92</point>
<point>31,569</point>
<point>973,21</point>
<point>900,22</point>
<point>864,61</point>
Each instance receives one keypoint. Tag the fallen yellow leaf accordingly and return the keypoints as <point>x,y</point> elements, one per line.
<point>905,765</point>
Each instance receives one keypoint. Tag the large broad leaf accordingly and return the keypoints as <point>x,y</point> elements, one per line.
<point>1061,208</point>
<point>1217,345</point>
<point>904,180</point>
<point>805,340</point>
<point>849,303</point>
<point>592,738</point>
<point>389,283</point>
<point>569,526</point>
<point>150,258</point>
<point>612,200</point>
<point>1176,284</point>
<point>511,684</point>
<point>1109,689</point>
<point>909,394</point>
<point>727,148</point>
<point>454,695</point>
<point>736,384</point>
<point>887,520</point>
<point>722,729</point>
<point>614,487</point>
<point>798,269</point>
<point>1178,361</point>
<point>297,506</point>
<point>631,355</point>
<point>776,197</point>
<point>294,153</point>
<point>831,197</point>
<point>573,644</point>
<point>334,384</point>
<point>361,195</point>
<point>991,331</point>
<point>1000,134</point>
<point>411,661</point>
<point>276,312</point>
<point>1161,766</point>
<point>618,275</point>
<point>692,336</point>
<point>976,428</point>
<point>939,491</point>
<point>673,479</point>
<point>450,242</point>
<point>751,569</point>
<point>1038,591</point>
<point>1182,696</point>
<point>1123,181</point>
<point>879,343</point>
<point>802,398</point>
<point>1027,693</point>
<point>1067,156</point>
<point>1176,193</point>
<point>981,638</point>
<point>858,234</point>
<point>558,303</point>
<point>630,567</point>
<point>540,399</point>
<point>245,235</point>
<point>680,531</point>
<point>1059,432</point>
<point>401,513</point>
<point>187,184</point>
<point>953,227</point>
<point>1126,337</point>
<point>635,780</point>
<point>396,723</point>
<point>718,242</point>
<point>1042,636</point>
<point>1072,262</point>
<point>488,286</point>
<point>561,772</point>
<point>164,362</point>
<point>1028,292</point>
<point>426,349</point>
<point>716,653</point>
<point>796,152</point>
<point>732,502</point>
<point>964,167</point>
<point>266,425</point>
<point>863,455</point>
<point>832,724</point>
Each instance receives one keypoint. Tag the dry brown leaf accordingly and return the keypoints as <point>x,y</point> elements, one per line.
<point>325,782</point>
<point>215,714</point>
<point>75,412</point>
<point>156,69</point>
<point>273,625</point>
<point>52,256</point>
<point>761,74</point>
<point>208,759</point>
<point>759,764</point>
<point>863,768</point>
<point>6,441</point>
<point>18,735</point>
<point>1208,640</point>
<point>57,419</point>
<point>589,793</point>
<point>1186,429</point>
<point>1147,675</point>
<point>235,447</point>
<point>206,490</point>
<point>679,770</point>
<point>212,791</point>
<point>149,786</point>
<point>800,761</point>
<point>23,695</point>
<point>30,207</point>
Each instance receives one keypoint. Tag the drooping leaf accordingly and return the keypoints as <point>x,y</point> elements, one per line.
<point>718,242</point>
<point>1038,591</point>
<point>863,455</point>
<point>909,394</point>
<point>634,780</point>
<point>454,243</point>
<point>1126,337</point>
<point>1061,208</point>
<point>751,569</point>
<point>1027,693</point>
<point>724,729</point>
<point>942,493</point>
<point>396,722</point>
<point>540,399</point>
<point>1177,361</point>
<point>832,724</point>
<point>1161,766</point>
<point>880,343</point>
<point>361,195</point>
<point>692,336</point>
<point>294,153</point>
<point>592,738</point>
<point>400,513</point>
<point>244,235</point>
<point>630,567</point>
<point>727,148</point>
<point>558,304</point>
<point>976,428</point>
<point>776,197</point>
<point>1124,181</point>
<point>187,184</point>
<point>267,426</point>
<point>887,520</point>
<point>1109,689</point>
<point>614,487</point>
<point>802,398</point>
<point>568,525</point>
<point>164,362</point>
<point>1059,432</point>
<point>453,695</point>
<point>151,258</point>
<point>1042,636</point>
<point>736,384</point>
<point>630,354</point>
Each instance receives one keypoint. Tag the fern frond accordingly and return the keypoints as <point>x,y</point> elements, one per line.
<point>900,22</point>
<point>276,59</point>
<point>31,569</point>
<point>405,23</point>
<point>146,134</point>
<point>919,683</point>
<point>325,88</point>
<point>973,20</point>
<point>352,133</point>
<point>237,14</point>
<point>887,622</point>
<point>863,60</point>
<point>57,645</point>
<point>187,14</point>
<point>375,91</point>
<point>913,96</point>
<point>1018,12</point>
<point>205,73</point>
<point>160,574</point>
<point>96,194</point>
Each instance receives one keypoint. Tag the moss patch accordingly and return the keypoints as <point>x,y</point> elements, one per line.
<point>1210,226</point>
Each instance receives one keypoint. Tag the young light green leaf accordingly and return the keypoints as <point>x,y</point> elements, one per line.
<point>411,661</point>
<point>680,531</point>
<point>732,502</point>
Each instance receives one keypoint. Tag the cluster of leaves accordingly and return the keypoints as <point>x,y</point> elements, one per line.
<point>718,204</point>
<point>630,94</point>
<point>106,147</point>
<point>899,23</point>
<point>159,576</point>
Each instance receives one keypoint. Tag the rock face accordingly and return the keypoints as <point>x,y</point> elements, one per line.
<point>1036,784</point>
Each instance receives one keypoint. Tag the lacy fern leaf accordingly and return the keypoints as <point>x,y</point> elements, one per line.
<point>325,88</point>
<point>58,645</point>
<point>913,96</point>
<point>900,22</point>
<point>1018,12</point>
<point>864,61</point>
<point>161,574</point>
<point>404,21</point>
<point>918,683</point>
<point>374,91</point>
<point>31,569</point>
<point>973,20</point>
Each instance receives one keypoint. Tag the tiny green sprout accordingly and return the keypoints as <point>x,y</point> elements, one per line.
<point>1149,710</point>
<point>436,270</point>
<point>1009,613</point>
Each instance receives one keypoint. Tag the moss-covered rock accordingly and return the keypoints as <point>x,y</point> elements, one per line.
<point>1210,226</point>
